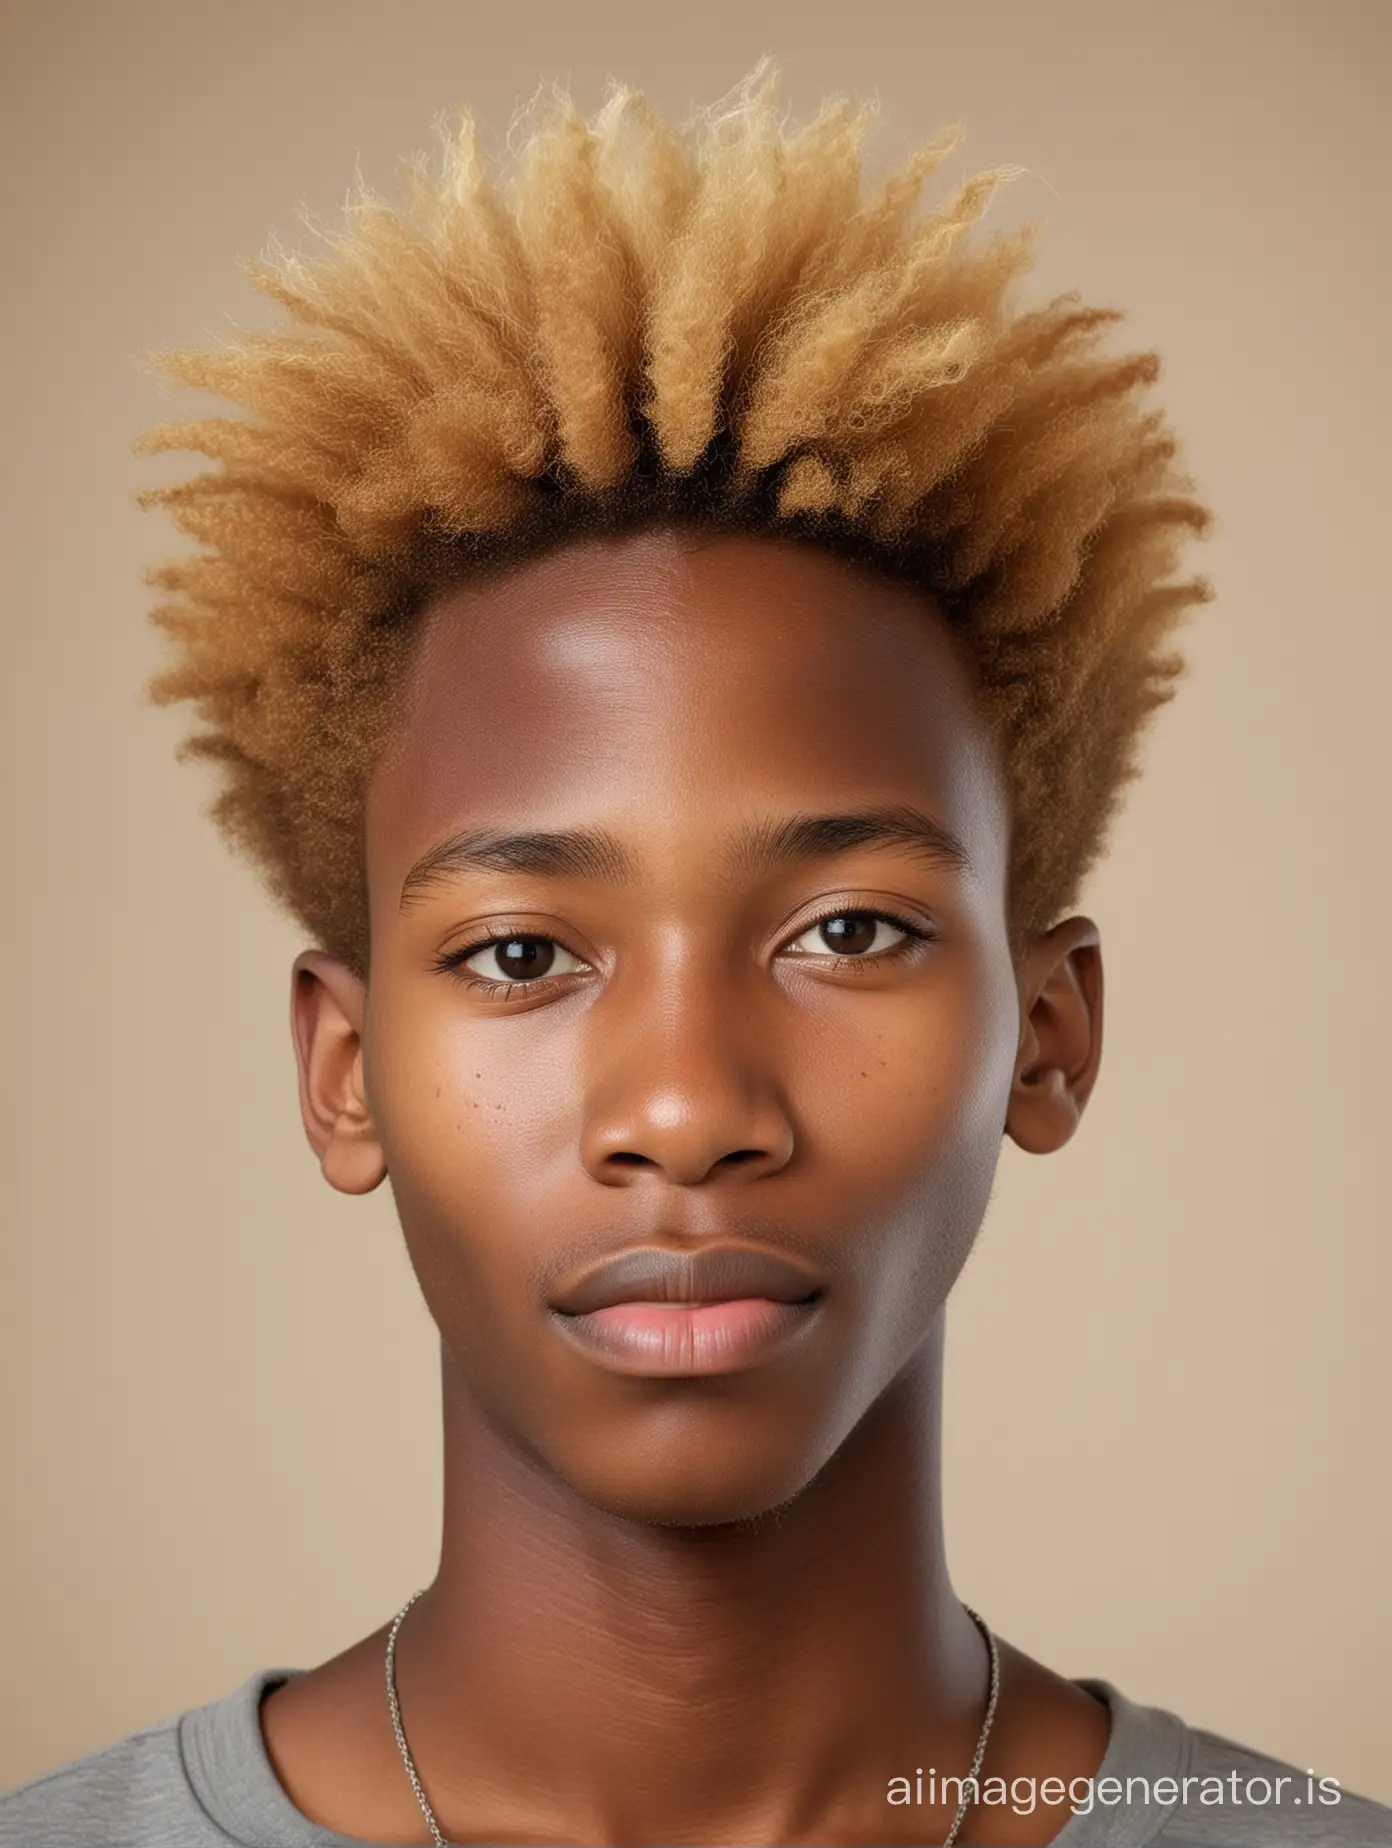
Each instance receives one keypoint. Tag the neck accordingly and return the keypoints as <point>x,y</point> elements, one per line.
<point>686,1681</point>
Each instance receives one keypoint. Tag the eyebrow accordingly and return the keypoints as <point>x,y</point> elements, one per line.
<point>761,847</point>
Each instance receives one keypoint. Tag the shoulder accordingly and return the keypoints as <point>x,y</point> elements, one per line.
<point>1233,1796</point>
<point>132,1794</point>
<point>1165,1784</point>
<point>198,1780</point>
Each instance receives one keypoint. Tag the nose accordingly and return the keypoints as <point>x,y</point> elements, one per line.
<point>690,1091</point>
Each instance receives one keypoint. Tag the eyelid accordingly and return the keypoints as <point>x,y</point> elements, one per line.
<point>455,962</point>
<point>458,962</point>
<point>484,936</point>
<point>914,926</point>
<point>904,928</point>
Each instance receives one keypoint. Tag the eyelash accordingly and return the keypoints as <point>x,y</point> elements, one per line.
<point>452,962</point>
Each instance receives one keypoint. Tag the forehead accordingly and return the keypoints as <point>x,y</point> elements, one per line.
<point>667,685</point>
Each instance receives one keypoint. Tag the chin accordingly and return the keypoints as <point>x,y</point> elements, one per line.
<point>668,1476</point>
<point>667,1504</point>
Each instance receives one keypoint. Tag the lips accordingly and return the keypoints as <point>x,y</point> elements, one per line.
<point>711,1274</point>
<point>670,1314</point>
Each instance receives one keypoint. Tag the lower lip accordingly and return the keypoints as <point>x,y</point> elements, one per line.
<point>682,1339</point>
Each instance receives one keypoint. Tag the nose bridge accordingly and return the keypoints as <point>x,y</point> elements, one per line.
<point>683,1074</point>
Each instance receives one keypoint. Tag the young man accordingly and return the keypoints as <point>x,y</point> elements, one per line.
<point>675,638</point>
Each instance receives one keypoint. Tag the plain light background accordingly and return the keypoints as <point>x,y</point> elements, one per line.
<point>1169,1394</point>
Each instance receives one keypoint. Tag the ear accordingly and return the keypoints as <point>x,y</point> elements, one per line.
<point>1060,1036</point>
<point>327,1007</point>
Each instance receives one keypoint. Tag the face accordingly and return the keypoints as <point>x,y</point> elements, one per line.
<point>687,883</point>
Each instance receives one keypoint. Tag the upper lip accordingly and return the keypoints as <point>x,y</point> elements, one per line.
<point>710,1274</point>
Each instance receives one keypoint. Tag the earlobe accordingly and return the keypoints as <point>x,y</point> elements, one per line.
<point>1060,1039</point>
<point>327,1008</point>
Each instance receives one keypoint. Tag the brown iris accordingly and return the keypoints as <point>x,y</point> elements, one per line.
<point>849,933</point>
<point>523,957</point>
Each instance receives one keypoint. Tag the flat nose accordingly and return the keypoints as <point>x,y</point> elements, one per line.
<point>692,1092</point>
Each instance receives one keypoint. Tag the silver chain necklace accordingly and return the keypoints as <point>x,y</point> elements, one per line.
<point>968,1783</point>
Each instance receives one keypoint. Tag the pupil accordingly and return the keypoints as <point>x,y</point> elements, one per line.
<point>850,934</point>
<point>523,956</point>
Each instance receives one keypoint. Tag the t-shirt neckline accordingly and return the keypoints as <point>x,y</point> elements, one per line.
<point>229,1770</point>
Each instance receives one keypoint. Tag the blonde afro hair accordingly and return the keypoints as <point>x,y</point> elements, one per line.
<point>726,324</point>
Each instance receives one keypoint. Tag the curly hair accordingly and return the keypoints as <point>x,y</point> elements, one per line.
<point>724,323</point>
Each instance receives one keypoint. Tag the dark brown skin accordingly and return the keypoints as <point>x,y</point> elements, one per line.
<point>711,1609</point>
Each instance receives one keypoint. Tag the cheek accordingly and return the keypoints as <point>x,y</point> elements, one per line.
<point>911,1087</point>
<point>909,1115</point>
<point>470,1115</point>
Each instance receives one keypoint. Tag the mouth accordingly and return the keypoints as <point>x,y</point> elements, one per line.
<point>661,1313</point>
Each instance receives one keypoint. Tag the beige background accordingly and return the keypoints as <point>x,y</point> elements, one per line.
<point>1170,1384</point>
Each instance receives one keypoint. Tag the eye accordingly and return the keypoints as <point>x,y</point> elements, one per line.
<point>855,933</point>
<point>516,958</point>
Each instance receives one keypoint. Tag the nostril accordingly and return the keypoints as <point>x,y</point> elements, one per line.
<point>739,1155</point>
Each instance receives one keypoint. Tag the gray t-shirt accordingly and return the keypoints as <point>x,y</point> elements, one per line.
<point>203,1780</point>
